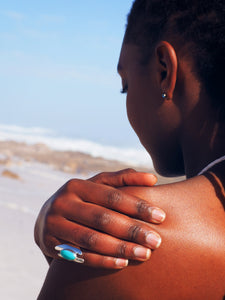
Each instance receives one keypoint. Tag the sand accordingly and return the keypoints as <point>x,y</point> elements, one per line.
<point>23,267</point>
<point>29,174</point>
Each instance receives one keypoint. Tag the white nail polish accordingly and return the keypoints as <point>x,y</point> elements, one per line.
<point>121,262</point>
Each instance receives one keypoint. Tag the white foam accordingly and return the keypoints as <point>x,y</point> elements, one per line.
<point>24,130</point>
<point>33,135</point>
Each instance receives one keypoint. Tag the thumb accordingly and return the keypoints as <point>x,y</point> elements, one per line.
<point>127,177</point>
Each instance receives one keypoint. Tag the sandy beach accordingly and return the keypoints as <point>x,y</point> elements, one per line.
<point>23,267</point>
<point>29,174</point>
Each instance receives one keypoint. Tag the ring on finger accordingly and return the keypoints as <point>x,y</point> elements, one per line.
<point>69,253</point>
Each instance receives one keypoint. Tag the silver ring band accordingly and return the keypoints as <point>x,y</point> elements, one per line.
<point>69,253</point>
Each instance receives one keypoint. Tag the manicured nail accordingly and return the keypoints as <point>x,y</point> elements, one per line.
<point>142,253</point>
<point>120,262</point>
<point>158,215</point>
<point>153,240</point>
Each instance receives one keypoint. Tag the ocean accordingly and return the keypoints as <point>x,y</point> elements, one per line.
<point>134,156</point>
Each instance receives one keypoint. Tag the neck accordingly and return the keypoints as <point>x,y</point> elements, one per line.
<point>202,146</point>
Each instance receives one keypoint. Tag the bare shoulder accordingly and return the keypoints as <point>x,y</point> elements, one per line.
<point>190,264</point>
<point>199,200</point>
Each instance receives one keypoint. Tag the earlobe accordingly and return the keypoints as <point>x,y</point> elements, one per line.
<point>165,96</point>
<point>166,59</point>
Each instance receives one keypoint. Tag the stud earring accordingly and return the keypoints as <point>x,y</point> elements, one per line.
<point>164,95</point>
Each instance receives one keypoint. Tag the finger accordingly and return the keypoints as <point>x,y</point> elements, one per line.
<point>96,260</point>
<point>125,177</point>
<point>115,199</point>
<point>101,261</point>
<point>49,247</point>
<point>98,242</point>
<point>104,220</point>
<point>90,259</point>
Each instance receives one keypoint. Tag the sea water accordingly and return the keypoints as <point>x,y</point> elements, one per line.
<point>134,156</point>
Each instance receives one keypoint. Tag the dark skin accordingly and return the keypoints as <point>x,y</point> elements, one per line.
<point>190,264</point>
<point>78,208</point>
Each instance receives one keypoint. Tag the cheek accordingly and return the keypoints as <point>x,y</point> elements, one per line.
<point>131,112</point>
<point>135,113</point>
<point>140,111</point>
<point>142,122</point>
<point>157,128</point>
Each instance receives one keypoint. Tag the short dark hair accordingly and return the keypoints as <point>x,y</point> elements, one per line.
<point>198,23</point>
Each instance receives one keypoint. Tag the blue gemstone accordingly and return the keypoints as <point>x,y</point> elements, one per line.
<point>67,254</point>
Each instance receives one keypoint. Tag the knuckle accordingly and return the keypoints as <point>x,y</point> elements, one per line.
<point>142,207</point>
<point>125,171</point>
<point>60,204</point>
<point>121,250</point>
<point>113,197</point>
<point>102,174</point>
<point>129,170</point>
<point>99,178</point>
<point>101,220</point>
<point>133,232</point>
<point>75,233</point>
<point>72,184</point>
<point>57,204</point>
<point>89,240</point>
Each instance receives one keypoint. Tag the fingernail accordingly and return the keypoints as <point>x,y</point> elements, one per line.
<point>158,215</point>
<point>121,262</point>
<point>153,240</point>
<point>142,253</point>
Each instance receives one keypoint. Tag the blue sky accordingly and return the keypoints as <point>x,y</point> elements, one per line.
<point>58,68</point>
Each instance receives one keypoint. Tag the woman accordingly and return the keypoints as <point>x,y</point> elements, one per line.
<point>171,65</point>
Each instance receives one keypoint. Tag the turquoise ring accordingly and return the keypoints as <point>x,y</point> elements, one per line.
<point>69,253</point>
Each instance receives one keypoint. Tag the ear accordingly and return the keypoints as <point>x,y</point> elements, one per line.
<point>166,60</point>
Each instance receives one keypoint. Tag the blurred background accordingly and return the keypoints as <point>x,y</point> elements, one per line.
<point>58,69</point>
<point>61,116</point>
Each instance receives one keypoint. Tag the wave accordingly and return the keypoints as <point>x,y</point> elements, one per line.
<point>34,135</point>
<point>24,130</point>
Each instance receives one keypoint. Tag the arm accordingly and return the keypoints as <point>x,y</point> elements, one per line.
<point>79,210</point>
<point>190,264</point>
